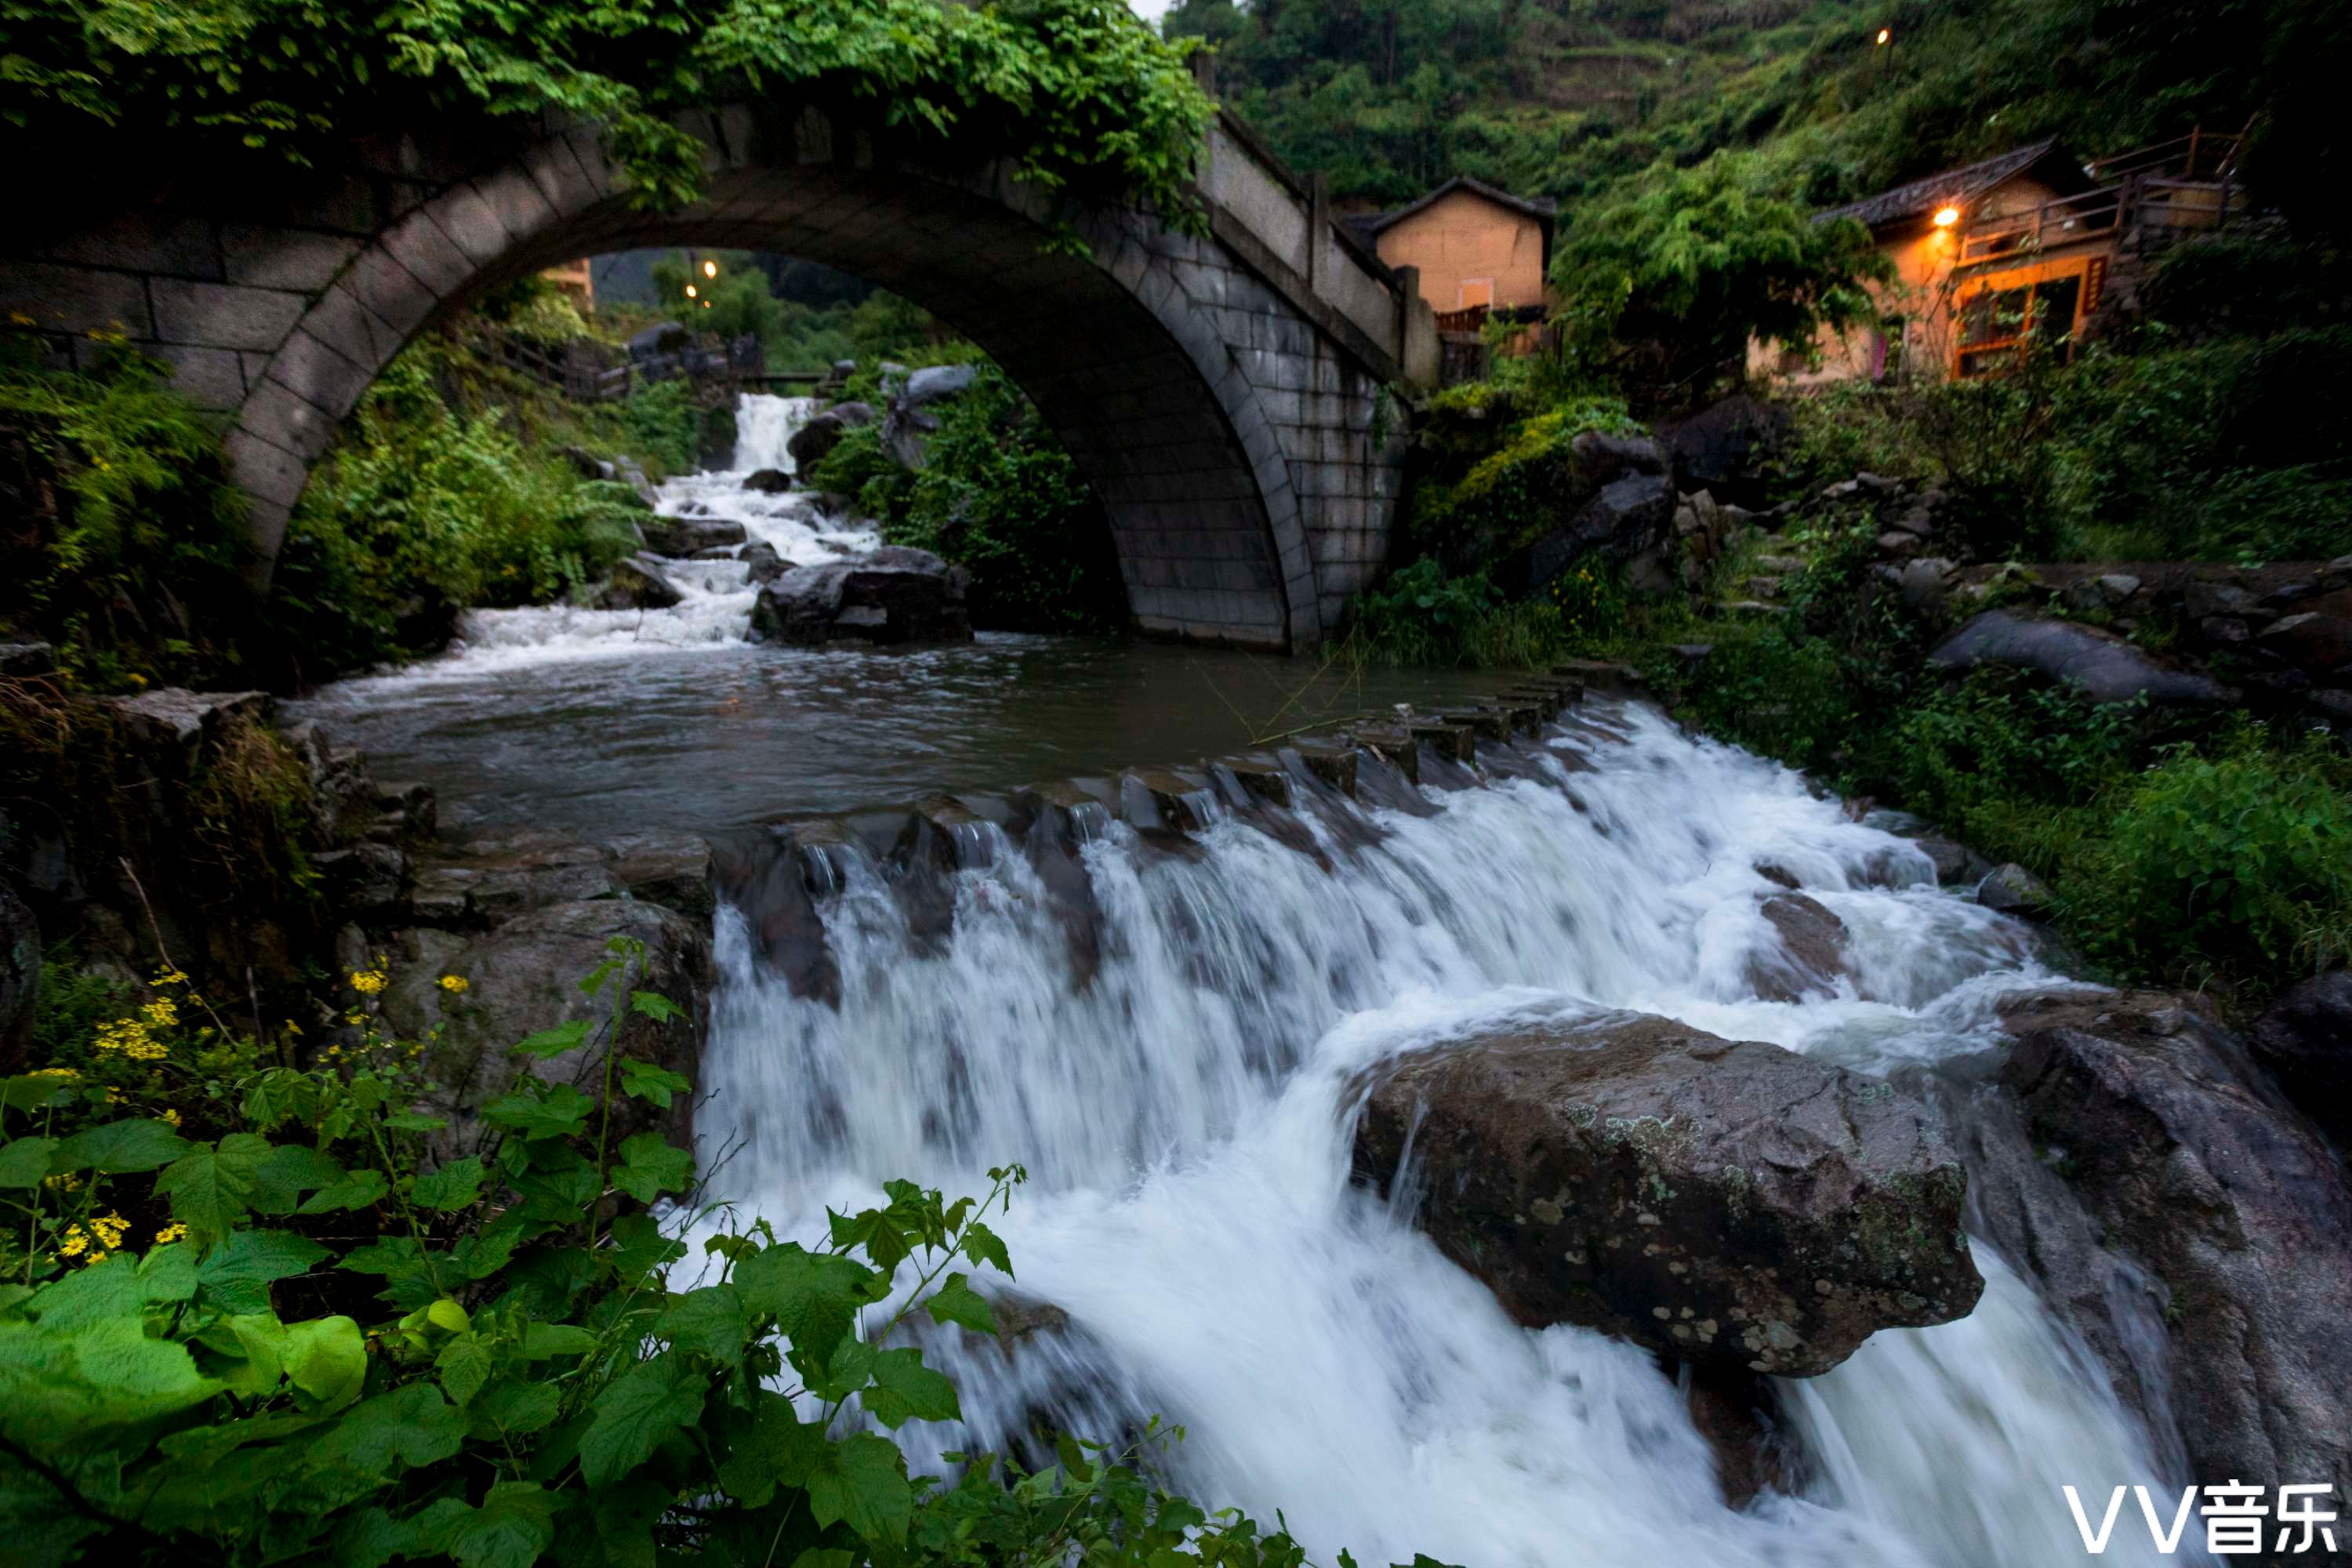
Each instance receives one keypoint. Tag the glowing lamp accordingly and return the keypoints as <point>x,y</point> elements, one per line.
<point>1947,216</point>
<point>710,270</point>
<point>1886,35</point>
<point>689,287</point>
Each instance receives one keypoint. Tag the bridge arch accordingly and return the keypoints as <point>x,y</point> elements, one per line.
<point>1219,393</point>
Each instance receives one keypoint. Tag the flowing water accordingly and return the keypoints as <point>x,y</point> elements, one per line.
<point>1163,1028</point>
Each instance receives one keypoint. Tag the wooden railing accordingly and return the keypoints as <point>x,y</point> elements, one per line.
<point>586,371</point>
<point>2199,155</point>
<point>2161,207</point>
<point>2037,228</point>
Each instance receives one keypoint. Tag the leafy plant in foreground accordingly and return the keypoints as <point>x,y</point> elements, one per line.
<point>304,1341</point>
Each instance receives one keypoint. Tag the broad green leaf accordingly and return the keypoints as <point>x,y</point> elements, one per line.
<point>633,1413</point>
<point>709,1322</point>
<point>547,1043</point>
<point>543,1341</point>
<point>359,1190</point>
<point>639,1247</point>
<point>411,1426</point>
<point>650,1166</point>
<point>25,1162</point>
<point>654,1005</point>
<point>511,1407</point>
<point>957,1302</point>
<point>771,1447</point>
<point>288,1171</point>
<point>653,1085</point>
<point>813,1297</point>
<point>447,1314</point>
<point>982,1245</point>
<point>211,1188</point>
<point>120,1148</point>
<point>235,1275</point>
<point>452,1186</point>
<point>108,1290</point>
<point>463,1366</point>
<point>326,1360</point>
<point>875,1232</point>
<point>904,1389</point>
<point>168,1273</point>
<point>32,1090</point>
<point>561,1112</point>
<point>514,1525</point>
<point>415,1122</point>
<point>861,1481</point>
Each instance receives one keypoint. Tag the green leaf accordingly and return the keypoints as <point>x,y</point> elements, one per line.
<point>654,1005</point>
<point>32,1092</point>
<point>108,1290</point>
<point>862,1481</point>
<point>982,1245</point>
<point>411,1426</point>
<point>211,1188</point>
<point>957,1302</point>
<point>639,1248</point>
<point>561,1111</point>
<point>547,1043</point>
<point>120,1148</point>
<point>454,1186</point>
<point>633,1413</point>
<point>463,1366</point>
<point>813,1297</point>
<point>510,1407</point>
<point>542,1341</point>
<point>234,1276</point>
<point>709,1321</point>
<point>651,1165</point>
<point>326,1360</point>
<point>25,1162</point>
<point>905,1390</point>
<point>415,1122</point>
<point>288,1171</point>
<point>359,1190</point>
<point>772,1447</point>
<point>653,1085</point>
<point>515,1524</point>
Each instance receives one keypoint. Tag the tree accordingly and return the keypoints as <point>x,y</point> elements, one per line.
<point>1666,281</point>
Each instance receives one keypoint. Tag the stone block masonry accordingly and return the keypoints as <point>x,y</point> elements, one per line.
<point>1221,392</point>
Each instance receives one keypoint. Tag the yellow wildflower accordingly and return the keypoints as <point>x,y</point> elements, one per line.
<point>170,1116</point>
<point>453,983</point>
<point>131,1037</point>
<point>73,1243</point>
<point>162,1013</point>
<point>292,1028</point>
<point>54,1072</point>
<point>169,1234</point>
<point>171,977</point>
<point>367,982</point>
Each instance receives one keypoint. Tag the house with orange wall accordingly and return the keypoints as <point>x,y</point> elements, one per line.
<point>1481,251</point>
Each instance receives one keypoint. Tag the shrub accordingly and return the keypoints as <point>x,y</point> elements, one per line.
<point>296,1337</point>
<point>1422,617</point>
<point>662,426</point>
<point>1512,490</point>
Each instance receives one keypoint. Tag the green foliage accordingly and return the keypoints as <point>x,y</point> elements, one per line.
<point>296,1339</point>
<point>1422,617</point>
<point>997,493</point>
<point>662,426</point>
<point>132,567</point>
<point>1491,492</point>
<point>1666,282</point>
<point>1081,95</point>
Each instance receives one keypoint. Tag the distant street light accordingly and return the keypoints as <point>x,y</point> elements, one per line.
<point>689,290</point>
<point>1885,37</point>
<point>1945,217</point>
<point>710,270</point>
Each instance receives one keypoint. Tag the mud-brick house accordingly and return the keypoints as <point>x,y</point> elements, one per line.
<point>2032,245</point>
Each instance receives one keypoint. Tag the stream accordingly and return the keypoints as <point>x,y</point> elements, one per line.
<point>1179,1090</point>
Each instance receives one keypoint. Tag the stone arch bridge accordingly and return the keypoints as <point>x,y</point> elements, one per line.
<point>1223,393</point>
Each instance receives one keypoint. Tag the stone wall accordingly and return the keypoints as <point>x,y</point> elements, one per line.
<point>1220,392</point>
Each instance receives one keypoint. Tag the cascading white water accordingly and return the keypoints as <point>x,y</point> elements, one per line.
<point>717,595</point>
<point>1179,1096</point>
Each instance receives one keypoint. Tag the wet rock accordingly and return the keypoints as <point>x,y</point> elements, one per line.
<point>524,977</point>
<point>20,974</point>
<point>1603,456</point>
<point>2097,663</point>
<point>2011,889</point>
<point>633,474</point>
<point>1729,448</point>
<point>1893,542</point>
<point>1812,949</point>
<point>893,595</point>
<point>2108,591</point>
<point>367,882</point>
<point>637,584</point>
<point>2305,1040</point>
<point>937,383</point>
<point>1728,1203</point>
<point>1954,861</point>
<point>812,442</point>
<point>680,537</point>
<point>2230,1201</point>
<point>1923,583</point>
<point>760,562</point>
<point>2201,599</point>
<point>172,718</point>
<point>1739,1416</point>
<point>1626,518</point>
<point>2312,640</point>
<point>23,658</point>
<point>767,482</point>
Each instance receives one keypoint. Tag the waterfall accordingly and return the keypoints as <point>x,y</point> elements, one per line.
<point>1163,1027</point>
<point>762,425</point>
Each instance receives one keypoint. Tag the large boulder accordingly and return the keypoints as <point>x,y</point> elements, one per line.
<point>2305,1040</point>
<point>893,595</point>
<point>1810,955</point>
<point>811,444</point>
<point>1627,517</point>
<point>523,978</point>
<point>2102,665</point>
<point>1729,448</point>
<point>767,482</point>
<point>662,338</point>
<point>637,584</point>
<point>681,538</point>
<point>1728,1203</point>
<point>2227,1200</point>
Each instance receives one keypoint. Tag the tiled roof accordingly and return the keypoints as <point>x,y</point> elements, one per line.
<point>1951,187</point>
<point>1541,208</point>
